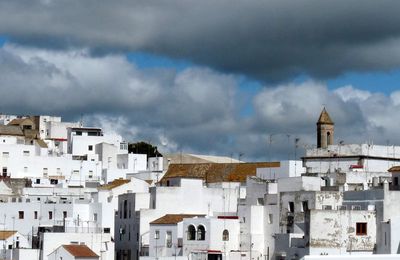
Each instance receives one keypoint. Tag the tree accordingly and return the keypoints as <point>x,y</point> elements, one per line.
<point>144,148</point>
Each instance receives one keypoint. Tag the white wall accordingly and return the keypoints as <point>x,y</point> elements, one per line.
<point>100,243</point>
<point>305,183</point>
<point>287,169</point>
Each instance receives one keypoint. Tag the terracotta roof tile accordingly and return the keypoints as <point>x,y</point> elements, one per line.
<point>113,184</point>
<point>394,169</point>
<point>6,234</point>
<point>41,143</point>
<point>173,218</point>
<point>11,130</point>
<point>216,172</point>
<point>80,251</point>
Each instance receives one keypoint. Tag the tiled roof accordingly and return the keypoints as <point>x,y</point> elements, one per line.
<point>80,251</point>
<point>11,130</point>
<point>41,143</point>
<point>394,169</point>
<point>6,234</point>
<point>16,121</point>
<point>216,172</point>
<point>183,158</point>
<point>173,218</point>
<point>57,177</point>
<point>324,118</point>
<point>113,184</point>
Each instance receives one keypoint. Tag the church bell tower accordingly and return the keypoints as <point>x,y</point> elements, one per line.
<point>325,130</point>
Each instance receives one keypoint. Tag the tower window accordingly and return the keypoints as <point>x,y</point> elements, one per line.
<point>328,138</point>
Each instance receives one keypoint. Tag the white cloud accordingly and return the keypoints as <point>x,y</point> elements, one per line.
<point>194,110</point>
<point>350,93</point>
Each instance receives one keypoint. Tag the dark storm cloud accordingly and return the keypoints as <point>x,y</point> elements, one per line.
<point>271,40</point>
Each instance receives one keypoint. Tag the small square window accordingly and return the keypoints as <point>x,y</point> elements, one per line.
<point>20,214</point>
<point>90,147</point>
<point>361,229</point>
<point>26,153</point>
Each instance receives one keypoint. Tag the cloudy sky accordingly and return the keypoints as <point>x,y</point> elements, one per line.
<point>209,77</point>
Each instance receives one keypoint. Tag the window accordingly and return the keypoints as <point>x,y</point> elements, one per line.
<point>50,214</point>
<point>20,214</point>
<point>270,218</point>
<point>291,206</point>
<point>78,132</point>
<point>168,239</point>
<point>4,171</point>
<point>6,154</point>
<point>157,234</point>
<point>35,215</point>
<point>225,235</point>
<point>26,153</point>
<point>53,181</point>
<point>90,147</point>
<point>191,233</point>
<point>64,214</point>
<point>25,169</point>
<point>201,233</point>
<point>327,207</point>
<point>396,181</point>
<point>361,228</point>
<point>328,138</point>
<point>94,216</point>
<point>304,205</point>
<point>58,171</point>
<point>37,181</point>
<point>125,209</point>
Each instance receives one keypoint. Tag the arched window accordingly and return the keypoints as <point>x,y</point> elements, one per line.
<point>328,138</point>
<point>201,233</point>
<point>225,235</point>
<point>191,233</point>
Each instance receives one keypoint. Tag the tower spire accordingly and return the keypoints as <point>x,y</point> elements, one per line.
<point>325,129</point>
<point>324,118</point>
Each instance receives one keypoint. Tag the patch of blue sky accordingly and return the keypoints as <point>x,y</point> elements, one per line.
<point>148,60</point>
<point>248,89</point>
<point>3,40</point>
<point>384,82</point>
